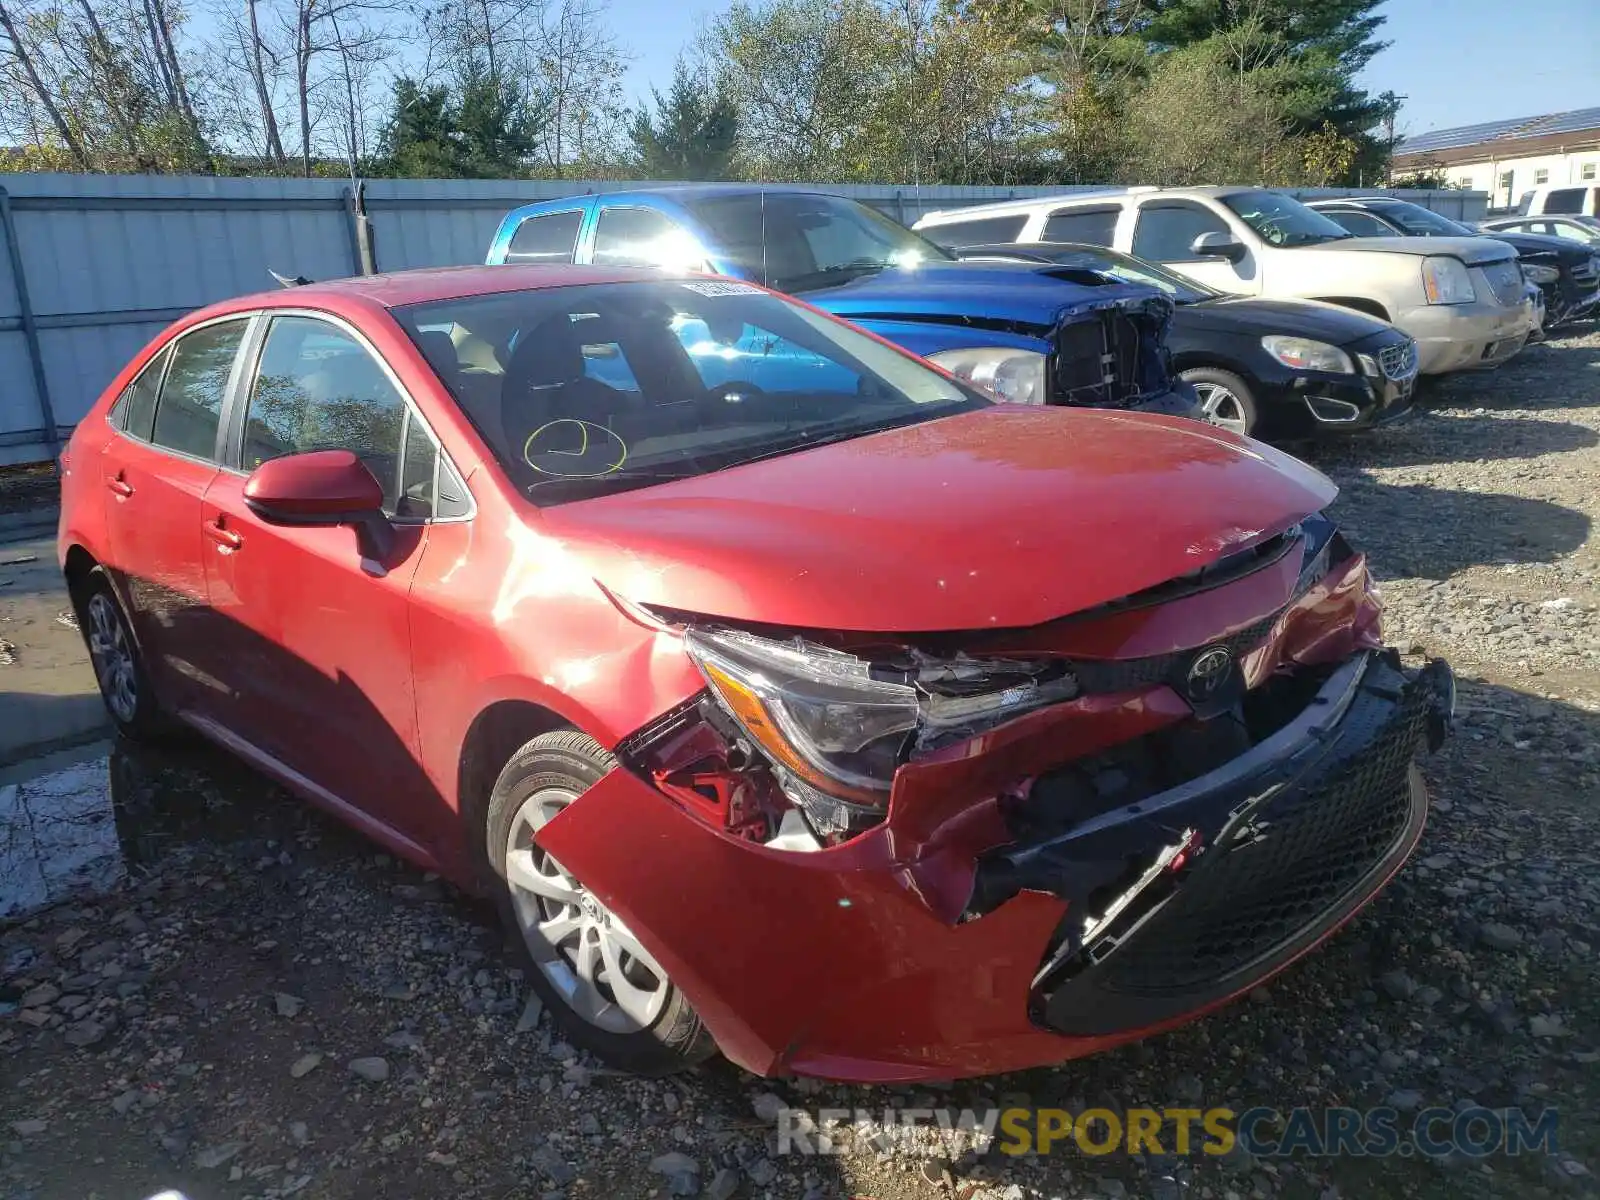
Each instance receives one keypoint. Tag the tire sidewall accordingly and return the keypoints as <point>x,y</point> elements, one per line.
<point>676,1039</point>
<point>148,722</point>
<point>1238,386</point>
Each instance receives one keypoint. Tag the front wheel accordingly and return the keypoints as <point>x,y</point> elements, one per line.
<point>606,991</point>
<point>1225,400</point>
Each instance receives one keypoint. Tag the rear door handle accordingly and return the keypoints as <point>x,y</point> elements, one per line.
<point>120,486</point>
<point>227,539</point>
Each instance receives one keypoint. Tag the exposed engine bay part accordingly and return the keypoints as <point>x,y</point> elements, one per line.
<point>1111,353</point>
<point>1194,886</point>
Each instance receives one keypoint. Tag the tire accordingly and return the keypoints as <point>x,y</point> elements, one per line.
<point>1213,383</point>
<point>114,653</point>
<point>648,1028</point>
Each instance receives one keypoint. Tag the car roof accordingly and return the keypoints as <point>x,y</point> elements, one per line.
<point>398,288</point>
<point>682,192</point>
<point>1097,195</point>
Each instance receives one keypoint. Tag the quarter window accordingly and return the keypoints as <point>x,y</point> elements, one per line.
<point>550,238</point>
<point>642,237</point>
<point>135,410</point>
<point>190,405</point>
<point>1096,226</point>
<point>1167,233</point>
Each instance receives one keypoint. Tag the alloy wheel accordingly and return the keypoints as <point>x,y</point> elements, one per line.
<point>1222,408</point>
<point>111,651</point>
<point>585,951</point>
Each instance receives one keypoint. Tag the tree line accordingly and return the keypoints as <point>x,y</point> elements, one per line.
<point>899,91</point>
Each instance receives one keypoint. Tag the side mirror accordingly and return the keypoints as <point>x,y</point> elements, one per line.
<point>323,487</point>
<point>1217,245</point>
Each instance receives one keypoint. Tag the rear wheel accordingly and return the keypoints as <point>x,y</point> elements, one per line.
<point>118,666</point>
<point>1225,399</point>
<point>606,991</point>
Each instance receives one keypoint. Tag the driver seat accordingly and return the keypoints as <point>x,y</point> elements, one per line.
<point>546,380</point>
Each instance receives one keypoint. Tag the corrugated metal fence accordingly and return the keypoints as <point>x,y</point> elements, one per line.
<point>95,265</point>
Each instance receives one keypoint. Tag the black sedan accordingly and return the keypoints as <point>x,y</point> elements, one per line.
<point>1279,370</point>
<point>1567,272</point>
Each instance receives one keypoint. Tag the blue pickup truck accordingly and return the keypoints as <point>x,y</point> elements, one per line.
<point>1029,333</point>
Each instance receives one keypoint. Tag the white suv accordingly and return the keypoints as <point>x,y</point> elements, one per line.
<point>1462,299</point>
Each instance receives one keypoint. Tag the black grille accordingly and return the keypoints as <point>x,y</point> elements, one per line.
<point>1315,845</point>
<point>1584,273</point>
<point>1117,675</point>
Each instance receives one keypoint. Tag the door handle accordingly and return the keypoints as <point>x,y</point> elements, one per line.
<point>120,486</point>
<point>226,538</point>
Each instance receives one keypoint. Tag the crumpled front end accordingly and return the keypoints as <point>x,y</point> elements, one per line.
<point>1112,353</point>
<point>1185,790</point>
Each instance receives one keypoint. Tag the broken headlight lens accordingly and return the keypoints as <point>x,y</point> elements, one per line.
<point>1005,372</point>
<point>816,713</point>
<point>1539,273</point>
<point>1303,354</point>
<point>836,727</point>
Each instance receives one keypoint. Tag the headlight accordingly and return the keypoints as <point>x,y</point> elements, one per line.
<point>1007,373</point>
<point>1537,273</point>
<point>835,728</point>
<point>1446,281</point>
<point>1302,354</point>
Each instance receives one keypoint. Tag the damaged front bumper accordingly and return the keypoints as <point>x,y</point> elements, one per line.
<point>1236,873</point>
<point>906,953</point>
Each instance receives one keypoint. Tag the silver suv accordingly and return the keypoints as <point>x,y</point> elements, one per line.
<point>1462,299</point>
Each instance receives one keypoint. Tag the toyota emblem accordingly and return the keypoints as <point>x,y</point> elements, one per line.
<point>1208,672</point>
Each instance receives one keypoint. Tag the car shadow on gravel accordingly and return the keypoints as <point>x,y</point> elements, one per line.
<point>1427,440</point>
<point>1526,382</point>
<point>1417,530</point>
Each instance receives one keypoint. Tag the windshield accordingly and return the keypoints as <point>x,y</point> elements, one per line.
<point>1283,220</point>
<point>581,391</point>
<point>1126,269</point>
<point>800,242</point>
<point>1422,222</point>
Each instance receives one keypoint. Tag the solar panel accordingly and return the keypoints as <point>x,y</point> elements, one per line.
<point>1571,122</point>
<point>1489,131</point>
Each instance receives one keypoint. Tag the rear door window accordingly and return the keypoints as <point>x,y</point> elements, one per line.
<point>980,231</point>
<point>547,238</point>
<point>1166,232</point>
<point>1565,200</point>
<point>189,409</point>
<point>642,237</point>
<point>1096,226</point>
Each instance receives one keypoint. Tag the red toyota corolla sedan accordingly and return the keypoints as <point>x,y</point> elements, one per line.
<point>790,697</point>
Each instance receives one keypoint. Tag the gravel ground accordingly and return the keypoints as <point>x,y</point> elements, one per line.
<point>259,1005</point>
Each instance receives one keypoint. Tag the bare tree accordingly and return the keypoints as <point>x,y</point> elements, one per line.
<point>578,67</point>
<point>19,54</point>
<point>319,28</point>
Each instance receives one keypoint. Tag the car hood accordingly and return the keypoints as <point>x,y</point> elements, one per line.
<point>1004,517</point>
<point>1471,250</point>
<point>1024,293</point>
<point>1532,245</point>
<point>1329,323</point>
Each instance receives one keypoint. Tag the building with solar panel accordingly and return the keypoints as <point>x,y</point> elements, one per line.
<point>1509,158</point>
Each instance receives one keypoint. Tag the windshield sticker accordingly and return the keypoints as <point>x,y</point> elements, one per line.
<point>721,287</point>
<point>568,448</point>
